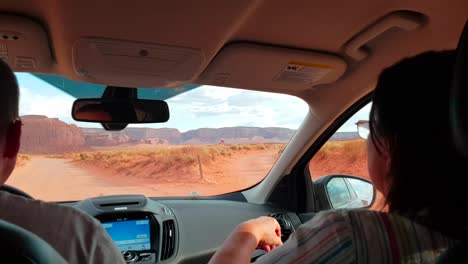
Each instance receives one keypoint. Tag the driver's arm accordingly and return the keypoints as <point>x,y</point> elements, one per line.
<point>327,237</point>
<point>263,232</point>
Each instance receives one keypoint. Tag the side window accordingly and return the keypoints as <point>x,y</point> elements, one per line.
<point>344,153</point>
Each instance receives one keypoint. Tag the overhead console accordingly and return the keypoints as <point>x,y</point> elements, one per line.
<point>24,44</point>
<point>138,64</point>
<point>144,231</point>
<point>264,67</point>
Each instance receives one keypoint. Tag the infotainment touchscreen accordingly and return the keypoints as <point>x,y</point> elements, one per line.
<point>130,235</point>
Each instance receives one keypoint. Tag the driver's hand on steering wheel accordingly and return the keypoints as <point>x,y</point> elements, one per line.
<point>265,229</point>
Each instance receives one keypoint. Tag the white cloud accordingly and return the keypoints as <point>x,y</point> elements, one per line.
<point>214,109</point>
<point>219,93</point>
<point>206,106</point>
<point>206,93</point>
<point>35,103</point>
<point>221,107</point>
<point>350,125</point>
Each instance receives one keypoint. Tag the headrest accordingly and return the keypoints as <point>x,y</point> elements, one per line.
<point>459,96</point>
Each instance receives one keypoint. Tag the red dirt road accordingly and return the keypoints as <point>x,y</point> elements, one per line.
<point>53,179</point>
<point>60,180</point>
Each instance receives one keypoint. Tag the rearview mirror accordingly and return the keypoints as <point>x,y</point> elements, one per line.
<point>343,191</point>
<point>117,111</point>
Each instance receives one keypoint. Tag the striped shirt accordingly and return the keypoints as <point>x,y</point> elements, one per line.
<point>360,236</point>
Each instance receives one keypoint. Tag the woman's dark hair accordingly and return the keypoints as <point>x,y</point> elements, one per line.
<point>409,116</point>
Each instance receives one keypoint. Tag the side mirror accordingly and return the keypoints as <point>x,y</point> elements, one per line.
<point>343,191</point>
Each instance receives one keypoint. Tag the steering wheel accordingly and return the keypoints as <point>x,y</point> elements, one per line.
<point>15,191</point>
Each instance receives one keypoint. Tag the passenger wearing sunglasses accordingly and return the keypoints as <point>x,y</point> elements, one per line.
<point>411,161</point>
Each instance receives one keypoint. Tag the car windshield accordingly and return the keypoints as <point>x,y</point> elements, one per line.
<point>218,140</point>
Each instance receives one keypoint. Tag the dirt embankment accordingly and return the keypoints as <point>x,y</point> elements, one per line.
<point>60,179</point>
<point>22,160</point>
<point>171,170</point>
<point>170,163</point>
<point>348,157</point>
<point>340,157</point>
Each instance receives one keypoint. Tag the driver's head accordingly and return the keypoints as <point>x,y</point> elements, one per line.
<point>10,126</point>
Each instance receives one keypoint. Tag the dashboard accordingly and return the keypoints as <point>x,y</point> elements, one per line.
<point>175,231</point>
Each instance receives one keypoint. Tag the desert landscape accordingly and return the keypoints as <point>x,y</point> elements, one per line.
<point>62,162</point>
<point>188,171</point>
<point>340,157</point>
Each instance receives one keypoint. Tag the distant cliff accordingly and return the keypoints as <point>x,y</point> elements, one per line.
<point>238,135</point>
<point>198,136</point>
<point>42,135</point>
<point>345,136</point>
<point>204,135</point>
<point>101,137</point>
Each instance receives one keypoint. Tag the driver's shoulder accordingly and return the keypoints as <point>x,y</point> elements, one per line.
<point>77,236</point>
<point>20,209</point>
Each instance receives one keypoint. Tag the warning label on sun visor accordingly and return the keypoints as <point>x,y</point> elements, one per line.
<point>300,72</point>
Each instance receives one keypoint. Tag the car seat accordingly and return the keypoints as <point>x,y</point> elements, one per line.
<point>17,245</point>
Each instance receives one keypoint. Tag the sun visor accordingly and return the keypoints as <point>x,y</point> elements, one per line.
<point>137,64</point>
<point>24,44</point>
<point>261,67</point>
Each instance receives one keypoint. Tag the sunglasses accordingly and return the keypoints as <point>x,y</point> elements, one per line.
<point>363,128</point>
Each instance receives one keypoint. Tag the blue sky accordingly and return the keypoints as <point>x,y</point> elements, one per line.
<point>206,106</point>
<point>362,114</point>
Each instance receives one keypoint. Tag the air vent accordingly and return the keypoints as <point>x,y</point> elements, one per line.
<point>285,224</point>
<point>118,204</point>
<point>168,239</point>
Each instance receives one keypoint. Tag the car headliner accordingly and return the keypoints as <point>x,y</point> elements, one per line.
<point>209,25</point>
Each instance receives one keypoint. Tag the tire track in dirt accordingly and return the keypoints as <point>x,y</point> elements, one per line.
<point>249,169</point>
<point>59,179</point>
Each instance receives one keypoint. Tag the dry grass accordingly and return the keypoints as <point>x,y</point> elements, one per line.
<point>351,149</point>
<point>162,158</point>
<point>22,159</point>
<point>340,157</point>
<point>168,154</point>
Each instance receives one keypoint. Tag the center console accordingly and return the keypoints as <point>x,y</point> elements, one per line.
<point>135,235</point>
<point>144,231</point>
